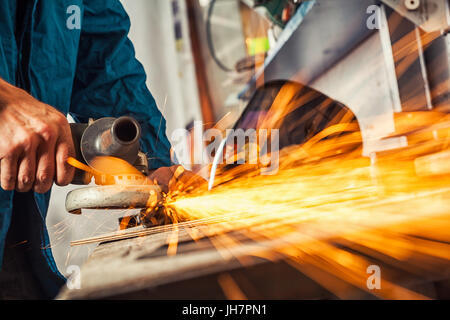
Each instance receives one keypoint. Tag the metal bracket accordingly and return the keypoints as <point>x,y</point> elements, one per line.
<point>430,15</point>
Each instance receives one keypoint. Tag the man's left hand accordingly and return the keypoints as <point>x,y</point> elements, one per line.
<point>176,178</point>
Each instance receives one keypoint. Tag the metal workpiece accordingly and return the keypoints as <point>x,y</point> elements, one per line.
<point>154,216</point>
<point>113,197</point>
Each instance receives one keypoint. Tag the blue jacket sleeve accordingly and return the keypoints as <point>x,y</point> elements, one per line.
<point>110,81</point>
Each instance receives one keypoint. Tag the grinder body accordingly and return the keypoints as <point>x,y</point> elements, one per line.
<point>117,138</point>
<point>114,137</point>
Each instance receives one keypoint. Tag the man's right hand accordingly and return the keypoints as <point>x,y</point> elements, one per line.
<point>35,143</point>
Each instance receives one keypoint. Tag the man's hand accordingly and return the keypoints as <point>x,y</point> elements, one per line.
<point>35,143</point>
<point>176,178</point>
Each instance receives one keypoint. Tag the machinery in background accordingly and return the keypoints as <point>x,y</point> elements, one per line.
<point>257,42</point>
<point>377,58</point>
<point>402,52</point>
<point>279,11</point>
